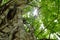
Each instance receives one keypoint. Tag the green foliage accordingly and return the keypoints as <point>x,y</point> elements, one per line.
<point>50,17</point>
<point>50,13</point>
<point>4,1</point>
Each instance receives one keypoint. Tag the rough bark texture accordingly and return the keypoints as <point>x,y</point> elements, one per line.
<point>11,24</point>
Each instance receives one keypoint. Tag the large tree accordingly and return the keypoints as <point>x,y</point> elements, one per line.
<point>11,21</point>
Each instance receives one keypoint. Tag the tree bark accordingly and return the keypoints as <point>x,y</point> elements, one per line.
<point>13,28</point>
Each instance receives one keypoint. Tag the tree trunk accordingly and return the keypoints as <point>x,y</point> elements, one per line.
<point>11,24</point>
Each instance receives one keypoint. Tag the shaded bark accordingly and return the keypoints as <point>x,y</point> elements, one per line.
<point>11,23</point>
